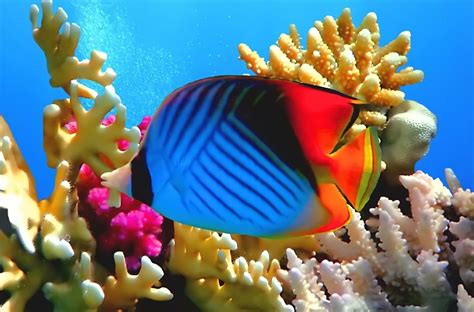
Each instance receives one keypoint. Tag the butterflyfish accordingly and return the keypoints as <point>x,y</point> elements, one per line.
<point>253,156</point>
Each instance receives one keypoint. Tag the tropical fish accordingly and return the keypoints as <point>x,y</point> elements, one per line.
<point>253,156</point>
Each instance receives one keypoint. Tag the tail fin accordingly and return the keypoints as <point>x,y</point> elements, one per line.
<point>357,167</point>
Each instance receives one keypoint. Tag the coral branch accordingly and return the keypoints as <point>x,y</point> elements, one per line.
<point>123,290</point>
<point>82,294</point>
<point>59,48</point>
<point>198,253</point>
<point>102,153</point>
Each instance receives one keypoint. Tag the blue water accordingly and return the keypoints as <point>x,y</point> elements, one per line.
<point>157,46</point>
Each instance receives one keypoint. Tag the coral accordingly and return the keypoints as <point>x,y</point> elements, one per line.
<point>63,238</point>
<point>406,137</point>
<point>46,248</point>
<point>422,259</point>
<point>214,281</point>
<point>133,227</point>
<point>391,261</point>
<point>17,190</point>
<point>123,290</point>
<point>101,154</point>
<point>412,255</point>
<point>307,280</point>
<point>59,48</point>
<point>341,57</point>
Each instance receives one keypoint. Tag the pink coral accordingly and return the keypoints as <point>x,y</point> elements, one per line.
<point>133,228</point>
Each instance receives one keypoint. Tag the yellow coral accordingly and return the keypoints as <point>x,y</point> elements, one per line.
<point>83,294</point>
<point>59,48</point>
<point>255,288</point>
<point>102,153</point>
<point>17,189</point>
<point>343,58</point>
<point>198,253</point>
<point>21,283</point>
<point>213,279</point>
<point>123,290</point>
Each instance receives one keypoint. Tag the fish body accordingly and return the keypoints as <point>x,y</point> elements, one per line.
<point>255,156</point>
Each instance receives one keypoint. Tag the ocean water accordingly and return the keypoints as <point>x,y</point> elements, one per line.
<point>157,46</point>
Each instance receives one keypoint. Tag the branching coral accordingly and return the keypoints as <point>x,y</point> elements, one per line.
<point>64,239</point>
<point>133,227</point>
<point>123,290</point>
<point>392,261</point>
<point>214,281</point>
<point>56,254</point>
<point>340,56</point>
<point>59,48</point>
<point>410,254</point>
<point>102,154</point>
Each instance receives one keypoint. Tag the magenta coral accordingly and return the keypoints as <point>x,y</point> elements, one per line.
<point>133,228</point>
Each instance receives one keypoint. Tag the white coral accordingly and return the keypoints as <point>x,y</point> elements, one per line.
<point>412,256</point>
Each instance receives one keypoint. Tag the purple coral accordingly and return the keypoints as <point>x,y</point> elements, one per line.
<point>133,228</point>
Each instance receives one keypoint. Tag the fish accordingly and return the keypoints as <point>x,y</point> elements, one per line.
<point>253,156</point>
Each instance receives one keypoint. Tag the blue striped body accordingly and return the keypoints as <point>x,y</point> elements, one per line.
<point>222,155</point>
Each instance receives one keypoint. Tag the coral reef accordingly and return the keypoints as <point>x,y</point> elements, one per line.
<point>63,240</point>
<point>45,246</point>
<point>393,259</point>
<point>348,59</point>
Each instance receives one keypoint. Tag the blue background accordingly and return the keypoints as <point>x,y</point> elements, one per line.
<point>157,46</point>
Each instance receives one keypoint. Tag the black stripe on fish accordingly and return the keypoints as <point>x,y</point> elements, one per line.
<point>211,109</point>
<point>269,121</point>
<point>192,102</point>
<point>234,194</point>
<point>142,188</point>
<point>269,187</point>
<point>234,177</point>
